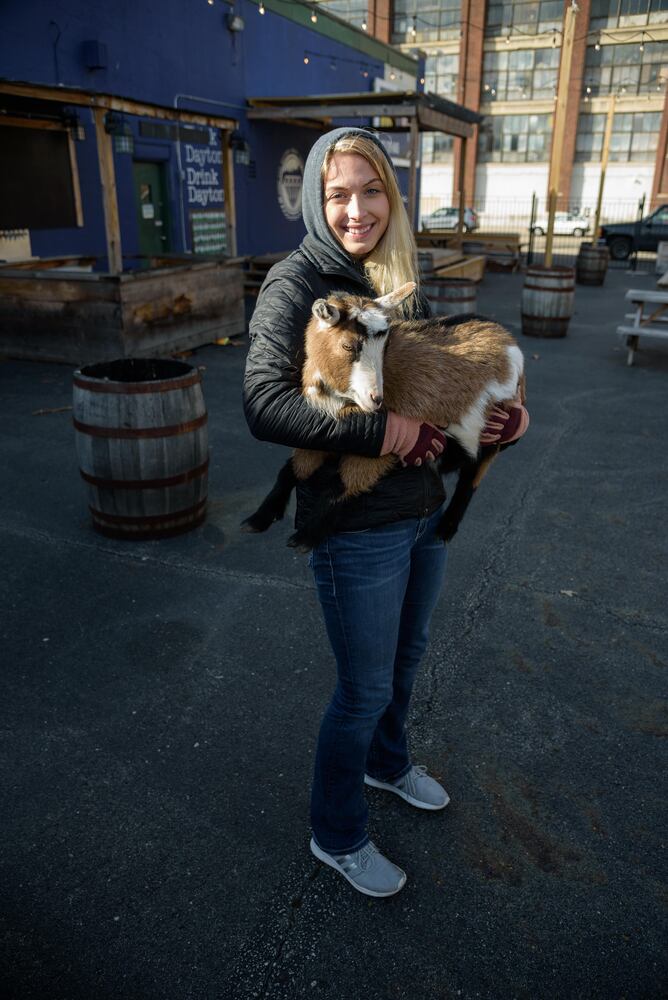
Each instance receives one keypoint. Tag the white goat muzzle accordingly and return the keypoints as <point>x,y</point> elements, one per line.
<point>366,375</point>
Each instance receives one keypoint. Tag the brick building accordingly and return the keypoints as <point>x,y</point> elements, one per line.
<point>502,59</point>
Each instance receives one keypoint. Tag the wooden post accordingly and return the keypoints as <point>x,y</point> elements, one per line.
<point>105,156</point>
<point>604,163</point>
<point>412,172</point>
<point>559,125</point>
<point>228,188</point>
<point>462,193</point>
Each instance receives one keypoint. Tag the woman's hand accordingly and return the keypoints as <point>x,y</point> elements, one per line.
<point>412,441</point>
<point>505,425</point>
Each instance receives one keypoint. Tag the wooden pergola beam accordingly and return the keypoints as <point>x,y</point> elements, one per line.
<point>82,98</point>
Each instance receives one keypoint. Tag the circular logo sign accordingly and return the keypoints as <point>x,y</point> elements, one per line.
<point>290,178</point>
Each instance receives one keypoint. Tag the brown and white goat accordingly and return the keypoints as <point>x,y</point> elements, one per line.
<point>446,373</point>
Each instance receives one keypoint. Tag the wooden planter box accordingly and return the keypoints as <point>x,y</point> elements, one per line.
<point>79,318</point>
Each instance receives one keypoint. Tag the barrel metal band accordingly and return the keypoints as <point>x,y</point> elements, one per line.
<point>145,484</point>
<point>132,388</point>
<point>550,288</point>
<point>140,432</point>
<point>147,520</point>
<point>547,319</point>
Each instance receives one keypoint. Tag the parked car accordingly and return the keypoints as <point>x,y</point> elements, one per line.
<point>644,234</point>
<point>565,224</point>
<point>447,218</point>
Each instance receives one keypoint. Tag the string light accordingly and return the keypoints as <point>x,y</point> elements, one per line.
<point>260,9</point>
<point>598,43</point>
<point>554,40</point>
<point>363,25</point>
<point>306,60</point>
<point>589,90</point>
<point>508,39</point>
<point>642,42</point>
<point>393,75</point>
<point>414,28</point>
<point>210,2</point>
<point>422,80</point>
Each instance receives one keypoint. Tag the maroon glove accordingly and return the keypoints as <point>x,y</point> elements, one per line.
<point>505,425</point>
<point>429,445</point>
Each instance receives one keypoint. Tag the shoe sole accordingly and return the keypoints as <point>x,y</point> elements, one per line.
<point>404,795</point>
<point>329,860</point>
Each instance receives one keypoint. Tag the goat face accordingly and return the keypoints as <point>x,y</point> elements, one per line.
<point>347,345</point>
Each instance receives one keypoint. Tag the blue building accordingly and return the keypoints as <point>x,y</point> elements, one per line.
<point>125,128</point>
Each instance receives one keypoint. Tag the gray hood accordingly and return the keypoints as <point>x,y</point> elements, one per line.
<point>313,210</point>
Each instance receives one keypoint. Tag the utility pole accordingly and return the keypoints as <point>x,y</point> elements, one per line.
<point>604,162</point>
<point>560,124</point>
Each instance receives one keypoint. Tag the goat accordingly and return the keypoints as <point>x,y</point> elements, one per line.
<point>446,371</point>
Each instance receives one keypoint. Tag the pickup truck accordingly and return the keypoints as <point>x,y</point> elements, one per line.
<point>644,234</point>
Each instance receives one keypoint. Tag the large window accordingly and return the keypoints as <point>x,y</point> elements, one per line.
<point>515,139</point>
<point>526,18</point>
<point>354,11</point>
<point>520,74</point>
<point>440,75</point>
<point>622,13</point>
<point>437,148</point>
<point>635,137</point>
<point>416,21</point>
<point>625,68</point>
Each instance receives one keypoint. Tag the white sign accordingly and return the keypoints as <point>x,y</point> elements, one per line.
<point>289,184</point>
<point>204,180</point>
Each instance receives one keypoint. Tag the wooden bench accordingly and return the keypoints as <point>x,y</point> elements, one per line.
<point>501,250</point>
<point>654,324</point>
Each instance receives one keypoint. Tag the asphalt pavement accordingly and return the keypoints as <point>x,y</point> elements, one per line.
<point>160,703</point>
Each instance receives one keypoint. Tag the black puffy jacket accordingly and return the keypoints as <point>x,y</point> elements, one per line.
<point>276,410</point>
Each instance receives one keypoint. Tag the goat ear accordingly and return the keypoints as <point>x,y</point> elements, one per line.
<point>397,296</point>
<point>325,312</point>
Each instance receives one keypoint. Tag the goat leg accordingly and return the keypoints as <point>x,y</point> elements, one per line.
<point>274,504</point>
<point>470,476</point>
<point>328,487</point>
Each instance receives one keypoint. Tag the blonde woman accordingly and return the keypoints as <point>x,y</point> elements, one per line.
<point>378,578</point>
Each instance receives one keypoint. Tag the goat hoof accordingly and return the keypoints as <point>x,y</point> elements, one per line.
<point>257,523</point>
<point>299,543</point>
<point>446,532</point>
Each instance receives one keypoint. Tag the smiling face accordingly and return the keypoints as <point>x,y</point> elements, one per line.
<point>357,208</point>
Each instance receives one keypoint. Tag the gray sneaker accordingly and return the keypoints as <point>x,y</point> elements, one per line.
<point>415,787</point>
<point>367,869</point>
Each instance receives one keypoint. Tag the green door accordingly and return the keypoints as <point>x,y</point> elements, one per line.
<point>151,200</point>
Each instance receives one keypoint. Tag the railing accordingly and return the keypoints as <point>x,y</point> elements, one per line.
<point>528,218</point>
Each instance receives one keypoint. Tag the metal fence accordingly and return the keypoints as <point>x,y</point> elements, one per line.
<point>527,217</point>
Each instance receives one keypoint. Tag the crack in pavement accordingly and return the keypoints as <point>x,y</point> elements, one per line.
<point>466,622</point>
<point>632,619</point>
<point>192,569</point>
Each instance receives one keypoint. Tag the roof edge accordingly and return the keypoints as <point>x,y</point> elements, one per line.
<point>338,30</point>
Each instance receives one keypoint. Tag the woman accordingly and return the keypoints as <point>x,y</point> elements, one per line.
<point>378,579</point>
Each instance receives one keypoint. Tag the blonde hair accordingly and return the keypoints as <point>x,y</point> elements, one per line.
<point>393,261</point>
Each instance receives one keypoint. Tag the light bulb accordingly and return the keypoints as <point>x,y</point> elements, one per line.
<point>306,60</point>
<point>363,25</point>
<point>260,9</point>
<point>393,76</point>
<point>508,39</point>
<point>314,18</point>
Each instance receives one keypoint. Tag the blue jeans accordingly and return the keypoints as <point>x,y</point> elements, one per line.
<point>378,589</point>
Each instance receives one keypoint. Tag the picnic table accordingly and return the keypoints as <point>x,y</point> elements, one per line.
<point>650,318</point>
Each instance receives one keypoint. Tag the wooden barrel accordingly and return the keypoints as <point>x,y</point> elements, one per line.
<point>448,296</point>
<point>591,264</point>
<point>142,444</point>
<point>547,300</point>
<point>662,258</point>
